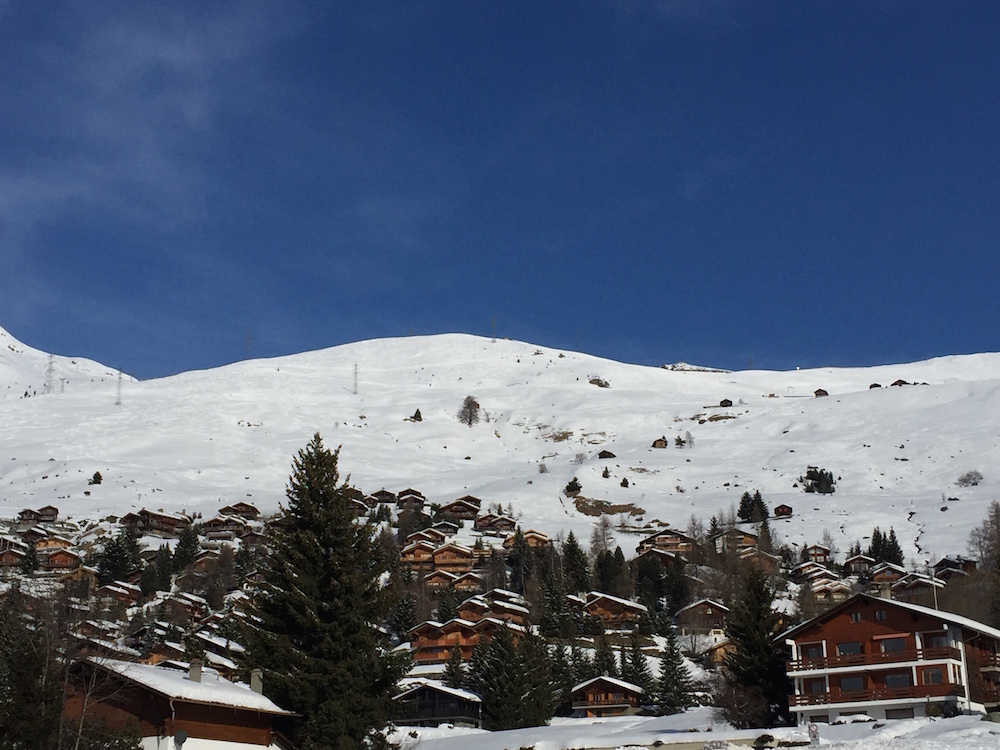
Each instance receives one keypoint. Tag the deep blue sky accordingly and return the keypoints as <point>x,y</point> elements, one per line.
<point>714,181</point>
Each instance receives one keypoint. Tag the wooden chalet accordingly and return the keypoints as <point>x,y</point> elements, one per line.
<point>121,592</point>
<point>225,527</point>
<point>820,393</point>
<point>28,517</point>
<point>246,511</point>
<point>385,497</point>
<point>954,563</point>
<point>532,538</point>
<point>432,535</point>
<point>818,553</point>
<point>468,582</point>
<point>34,535</point>
<point>417,554</point>
<point>734,539</point>
<point>831,591</point>
<point>155,522</point>
<point>891,660</point>
<point>171,703</point>
<point>783,511</point>
<point>48,514</point>
<point>459,509</point>
<point>702,617</point>
<point>453,558</point>
<point>491,523</point>
<point>859,565</point>
<point>885,573</point>
<point>606,455</point>
<point>606,696</point>
<point>432,642</point>
<point>917,588</point>
<point>446,528</point>
<point>613,612</point>
<point>660,442</point>
<point>761,560</point>
<point>12,558</point>
<point>669,540</point>
<point>253,539</point>
<point>59,558</point>
<point>662,556</point>
<point>429,703</point>
<point>726,403</point>
<point>439,579</point>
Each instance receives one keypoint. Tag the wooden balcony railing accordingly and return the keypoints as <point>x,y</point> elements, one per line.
<point>876,658</point>
<point>876,694</point>
<point>603,702</point>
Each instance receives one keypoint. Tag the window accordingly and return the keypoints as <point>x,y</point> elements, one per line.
<point>893,644</point>
<point>815,686</point>
<point>933,676</point>
<point>852,684</point>
<point>899,713</point>
<point>879,615</point>
<point>812,651</point>
<point>855,617</point>
<point>936,640</point>
<point>849,648</point>
<point>897,680</point>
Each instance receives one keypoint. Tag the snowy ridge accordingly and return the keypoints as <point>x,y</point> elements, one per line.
<point>199,440</point>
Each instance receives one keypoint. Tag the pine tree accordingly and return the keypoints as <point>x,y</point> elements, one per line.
<point>31,689</point>
<point>513,680</point>
<point>673,689</point>
<point>893,552</point>
<point>187,549</point>
<point>454,673</point>
<point>746,507</point>
<point>118,558</point>
<point>520,562</point>
<point>30,562</point>
<point>604,658</point>
<point>576,567</point>
<point>314,628</point>
<point>635,668</point>
<point>561,668</point>
<point>755,669</point>
<point>469,413</point>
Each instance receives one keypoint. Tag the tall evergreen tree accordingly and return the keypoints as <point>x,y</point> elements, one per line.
<point>31,689</point>
<point>755,670</point>
<point>513,680</point>
<point>315,624</point>
<point>635,668</point>
<point>583,665</point>
<point>187,549</point>
<point>119,557</point>
<point>604,658</point>
<point>520,561</point>
<point>576,566</point>
<point>454,672</point>
<point>673,688</point>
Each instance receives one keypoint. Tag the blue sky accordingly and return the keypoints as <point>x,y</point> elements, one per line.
<point>723,182</point>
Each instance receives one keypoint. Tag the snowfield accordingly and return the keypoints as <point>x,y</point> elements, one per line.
<point>198,440</point>
<point>694,728</point>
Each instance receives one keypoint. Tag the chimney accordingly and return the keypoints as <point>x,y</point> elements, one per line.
<point>257,680</point>
<point>885,590</point>
<point>194,672</point>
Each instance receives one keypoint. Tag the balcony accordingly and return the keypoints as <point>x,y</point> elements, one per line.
<point>990,663</point>
<point>874,659</point>
<point>875,694</point>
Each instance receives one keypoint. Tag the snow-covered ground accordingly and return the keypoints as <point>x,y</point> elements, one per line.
<point>695,728</point>
<point>198,440</point>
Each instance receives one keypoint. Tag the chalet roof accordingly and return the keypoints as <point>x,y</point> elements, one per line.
<point>424,684</point>
<point>818,546</point>
<point>612,680</point>
<point>213,690</point>
<point>948,617</point>
<point>888,566</point>
<point>595,596</point>
<point>710,602</point>
<point>471,499</point>
<point>859,557</point>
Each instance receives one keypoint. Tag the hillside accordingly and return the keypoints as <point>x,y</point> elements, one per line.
<point>197,440</point>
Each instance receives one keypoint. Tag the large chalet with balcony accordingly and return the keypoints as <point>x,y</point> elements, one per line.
<point>891,660</point>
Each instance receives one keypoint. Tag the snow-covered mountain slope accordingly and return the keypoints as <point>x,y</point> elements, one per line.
<point>198,440</point>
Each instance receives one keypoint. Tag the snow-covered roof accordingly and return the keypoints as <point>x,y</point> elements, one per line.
<point>613,680</point>
<point>594,596</point>
<point>212,690</point>
<point>441,687</point>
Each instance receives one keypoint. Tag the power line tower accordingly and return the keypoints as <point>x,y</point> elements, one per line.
<point>50,374</point>
<point>62,384</point>
<point>355,378</point>
<point>118,399</point>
